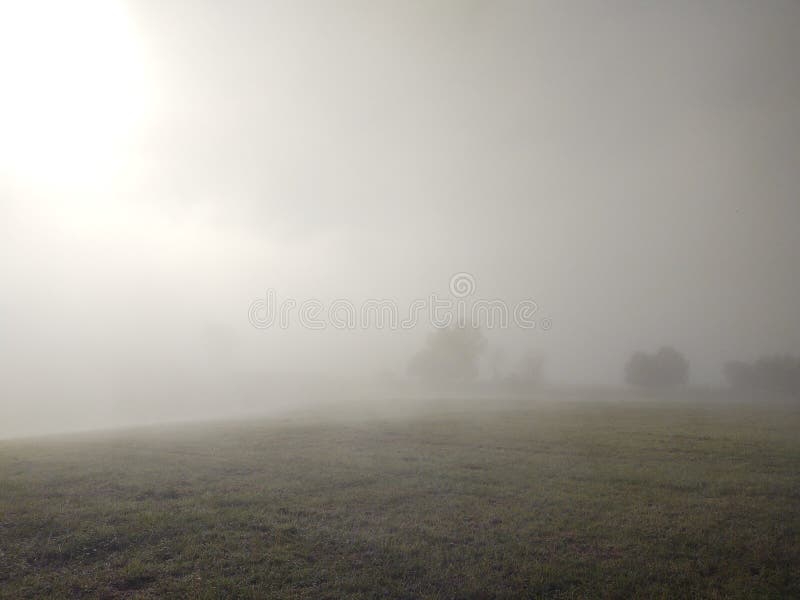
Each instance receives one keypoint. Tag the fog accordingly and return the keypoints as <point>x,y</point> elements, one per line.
<point>632,168</point>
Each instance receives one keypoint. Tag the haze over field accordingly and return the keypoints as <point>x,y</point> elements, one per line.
<point>632,167</point>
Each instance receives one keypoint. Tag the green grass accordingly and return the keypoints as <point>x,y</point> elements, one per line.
<point>576,500</point>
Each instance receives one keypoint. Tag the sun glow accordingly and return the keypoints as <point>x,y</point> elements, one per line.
<point>74,89</point>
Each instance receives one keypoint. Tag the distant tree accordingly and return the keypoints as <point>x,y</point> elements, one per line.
<point>529,369</point>
<point>740,375</point>
<point>497,360</point>
<point>779,374</point>
<point>666,368</point>
<point>450,355</point>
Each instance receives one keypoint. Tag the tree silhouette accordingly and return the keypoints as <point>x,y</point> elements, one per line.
<point>450,355</point>
<point>665,368</point>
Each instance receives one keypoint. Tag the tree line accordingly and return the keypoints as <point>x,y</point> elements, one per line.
<point>452,355</point>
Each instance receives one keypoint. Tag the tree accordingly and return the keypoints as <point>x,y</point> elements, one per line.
<point>740,375</point>
<point>778,374</point>
<point>666,368</point>
<point>450,355</point>
<point>529,370</point>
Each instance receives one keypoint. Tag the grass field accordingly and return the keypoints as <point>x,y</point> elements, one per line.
<point>569,500</point>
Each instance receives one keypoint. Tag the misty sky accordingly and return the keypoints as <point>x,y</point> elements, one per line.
<point>634,167</point>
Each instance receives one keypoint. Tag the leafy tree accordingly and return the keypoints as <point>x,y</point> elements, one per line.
<point>779,374</point>
<point>740,375</point>
<point>450,355</point>
<point>666,368</point>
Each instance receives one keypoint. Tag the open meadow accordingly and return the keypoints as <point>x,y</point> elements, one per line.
<point>567,500</point>
<point>399,299</point>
